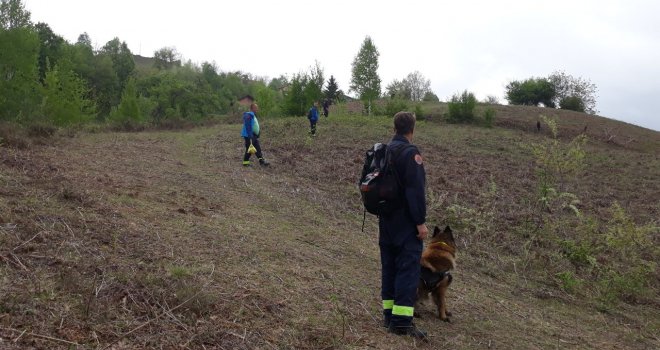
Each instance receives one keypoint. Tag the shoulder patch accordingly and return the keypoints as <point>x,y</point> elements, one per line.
<point>418,159</point>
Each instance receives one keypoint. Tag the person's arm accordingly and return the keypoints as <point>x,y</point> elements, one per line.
<point>247,120</point>
<point>415,190</point>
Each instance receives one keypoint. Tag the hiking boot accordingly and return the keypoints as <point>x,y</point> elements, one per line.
<point>386,322</point>
<point>264,162</point>
<point>246,163</point>
<point>411,331</point>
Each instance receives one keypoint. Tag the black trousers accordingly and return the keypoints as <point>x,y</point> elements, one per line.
<point>255,143</point>
<point>312,126</point>
<point>400,252</point>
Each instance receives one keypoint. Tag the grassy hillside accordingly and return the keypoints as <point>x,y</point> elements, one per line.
<point>161,239</point>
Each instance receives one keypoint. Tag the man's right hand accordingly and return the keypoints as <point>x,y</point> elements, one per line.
<point>422,231</point>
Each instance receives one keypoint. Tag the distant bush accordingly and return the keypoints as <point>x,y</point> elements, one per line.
<point>461,108</point>
<point>489,117</point>
<point>531,92</point>
<point>430,97</point>
<point>394,106</point>
<point>65,100</point>
<point>492,100</point>
<point>572,103</point>
<point>128,111</point>
<point>419,112</point>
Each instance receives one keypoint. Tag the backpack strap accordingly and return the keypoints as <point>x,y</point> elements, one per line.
<point>393,155</point>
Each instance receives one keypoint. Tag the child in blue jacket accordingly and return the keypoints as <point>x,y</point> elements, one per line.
<point>250,133</point>
<point>313,117</point>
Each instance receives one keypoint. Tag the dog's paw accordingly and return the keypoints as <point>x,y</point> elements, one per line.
<point>448,314</point>
<point>446,319</point>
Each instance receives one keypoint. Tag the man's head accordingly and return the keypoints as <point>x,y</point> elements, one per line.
<point>316,103</point>
<point>254,107</point>
<point>404,124</point>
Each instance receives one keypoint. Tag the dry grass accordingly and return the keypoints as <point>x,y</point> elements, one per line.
<point>162,240</point>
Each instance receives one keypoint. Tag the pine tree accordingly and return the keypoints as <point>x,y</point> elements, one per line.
<point>331,90</point>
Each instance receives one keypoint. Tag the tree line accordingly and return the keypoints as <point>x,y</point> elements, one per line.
<point>44,79</point>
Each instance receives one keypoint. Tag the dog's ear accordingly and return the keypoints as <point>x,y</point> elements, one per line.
<point>436,230</point>
<point>449,232</point>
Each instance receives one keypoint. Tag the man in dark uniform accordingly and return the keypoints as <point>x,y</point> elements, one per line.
<point>402,232</point>
<point>326,107</point>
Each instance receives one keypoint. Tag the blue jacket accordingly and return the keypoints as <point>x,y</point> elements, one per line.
<point>411,173</point>
<point>247,125</point>
<point>313,114</point>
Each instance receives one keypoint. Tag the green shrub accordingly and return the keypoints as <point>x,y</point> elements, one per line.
<point>630,284</point>
<point>461,108</point>
<point>572,103</point>
<point>65,99</point>
<point>430,97</point>
<point>128,111</point>
<point>419,112</point>
<point>569,282</point>
<point>580,254</point>
<point>532,91</point>
<point>489,117</point>
<point>394,106</point>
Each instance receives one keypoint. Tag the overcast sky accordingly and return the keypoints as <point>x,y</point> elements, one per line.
<point>474,45</point>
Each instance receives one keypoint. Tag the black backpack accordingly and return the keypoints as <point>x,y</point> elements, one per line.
<point>380,185</point>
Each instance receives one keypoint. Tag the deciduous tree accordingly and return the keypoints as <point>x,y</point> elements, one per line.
<point>365,80</point>
<point>577,94</point>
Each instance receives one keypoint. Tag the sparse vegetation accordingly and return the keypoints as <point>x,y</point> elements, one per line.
<point>489,117</point>
<point>160,239</point>
<point>461,108</point>
<point>148,260</point>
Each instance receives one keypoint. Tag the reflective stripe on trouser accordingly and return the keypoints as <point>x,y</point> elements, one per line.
<point>406,311</point>
<point>387,311</point>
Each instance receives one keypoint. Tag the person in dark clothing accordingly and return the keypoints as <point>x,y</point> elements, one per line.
<point>401,233</point>
<point>250,134</point>
<point>313,116</point>
<point>326,107</point>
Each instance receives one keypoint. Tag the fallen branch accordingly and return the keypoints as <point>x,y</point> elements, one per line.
<point>38,336</point>
<point>26,242</point>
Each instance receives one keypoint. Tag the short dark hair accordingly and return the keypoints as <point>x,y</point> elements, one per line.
<point>404,123</point>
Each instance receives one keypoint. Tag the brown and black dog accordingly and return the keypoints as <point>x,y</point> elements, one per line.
<point>438,258</point>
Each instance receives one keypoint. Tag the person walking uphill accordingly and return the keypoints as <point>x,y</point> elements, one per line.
<point>250,133</point>
<point>326,107</point>
<point>313,116</point>
<point>402,232</point>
